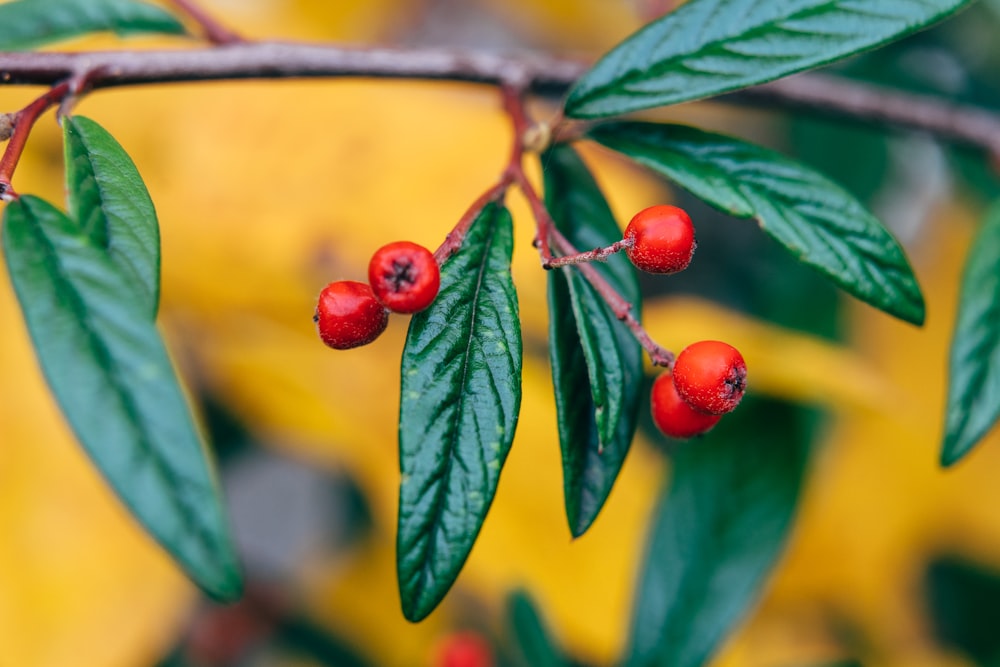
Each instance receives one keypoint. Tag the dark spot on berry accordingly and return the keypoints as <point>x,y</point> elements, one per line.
<point>402,276</point>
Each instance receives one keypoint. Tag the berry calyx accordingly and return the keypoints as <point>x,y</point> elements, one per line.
<point>711,376</point>
<point>661,239</point>
<point>673,415</point>
<point>348,315</point>
<point>404,276</point>
<point>464,649</point>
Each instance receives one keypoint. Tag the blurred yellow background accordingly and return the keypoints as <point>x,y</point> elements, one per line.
<point>266,191</point>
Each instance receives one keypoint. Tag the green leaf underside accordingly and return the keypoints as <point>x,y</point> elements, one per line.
<point>716,534</point>
<point>532,638</point>
<point>26,24</point>
<point>459,401</point>
<point>819,222</point>
<point>107,367</point>
<point>973,405</point>
<point>708,47</point>
<point>108,199</point>
<point>588,345</point>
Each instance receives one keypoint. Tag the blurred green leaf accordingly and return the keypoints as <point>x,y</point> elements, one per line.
<point>707,47</point>
<point>533,641</point>
<point>588,345</point>
<point>26,24</point>
<point>107,197</point>
<point>816,220</point>
<point>717,533</point>
<point>460,396</point>
<point>107,367</point>
<point>973,404</point>
<point>963,601</point>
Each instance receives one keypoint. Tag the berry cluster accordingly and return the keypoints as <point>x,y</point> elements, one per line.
<point>403,277</point>
<point>709,377</point>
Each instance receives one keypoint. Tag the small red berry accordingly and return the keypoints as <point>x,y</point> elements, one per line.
<point>404,276</point>
<point>348,315</point>
<point>711,376</point>
<point>662,239</point>
<point>464,649</point>
<point>671,413</point>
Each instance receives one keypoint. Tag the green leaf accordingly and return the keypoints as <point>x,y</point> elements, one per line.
<point>26,24</point>
<point>708,47</point>
<point>973,405</point>
<point>819,222</point>
<point>106,364</point>
<point>532,639</point>
<point>460,396</point>
<point>588,345</point>
<point>108,199</point>
<point>717,533</point>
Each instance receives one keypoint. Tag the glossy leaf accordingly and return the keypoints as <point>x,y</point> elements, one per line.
<point>816,220</point>
<point>974,374</point>
<point>106,364</point>
<point>535,646</point>
<point>717,533</point>
<point>708,47</point>
<point>107,197</point>
<point>460,397</point>
<point>588,345</point>
<point>26,24</point>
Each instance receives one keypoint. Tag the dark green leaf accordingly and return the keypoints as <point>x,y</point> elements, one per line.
<point>107,367</point>
<point>819,222</point>
<point>532,639</point>
<point>588,345</point>
<point>707,47</point>
<point>460,396</point>
<point>963,603</point>
<point>26,24</point>
<point>108,199</point>
<point>717,533</point>
<point>974,374</point>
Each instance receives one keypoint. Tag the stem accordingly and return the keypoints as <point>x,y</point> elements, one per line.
<point>453,241</point>
<point>214,31</point>
<point>595,255</point>
<point>23,121</point>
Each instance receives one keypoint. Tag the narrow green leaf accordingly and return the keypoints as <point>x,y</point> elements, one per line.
<point>819,222</point>
<point>26,24</point>
<point>708,47</point>
<point>973,405</point>
<point>460,396</point>
<point>107,197</point>
<point>588,345</point>
<point>535,646</point>
<point>106,364</point>
<point>717,533</point>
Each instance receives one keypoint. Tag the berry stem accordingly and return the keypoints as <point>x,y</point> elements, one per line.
<point>22,123</point>
<point>597,254</point>
<point>453,241</point>
<point>215,32</point>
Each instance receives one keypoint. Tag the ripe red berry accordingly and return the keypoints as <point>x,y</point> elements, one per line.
<point>662,239</point>
<point>348,315</point>
<point>711,376</point>
<point>404,276</point>
<point>672,414</point>
<point>464,649</point>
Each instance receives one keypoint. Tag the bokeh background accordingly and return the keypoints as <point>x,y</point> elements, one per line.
<point>266,191</point>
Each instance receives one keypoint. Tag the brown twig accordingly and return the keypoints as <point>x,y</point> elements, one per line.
<point>214,31</point>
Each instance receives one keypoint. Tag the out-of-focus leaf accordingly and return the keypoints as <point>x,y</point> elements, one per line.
<point>588,345</point>
<point>717,533</point>
<point>707,47</point>
<point>963,600</point>
<point>107,367</point>
<point>816,220</point>
<point>107,197</point>
<point>460,397</point>
<point>25,24</point>
<point>533,641</point>
<point>974,373</point>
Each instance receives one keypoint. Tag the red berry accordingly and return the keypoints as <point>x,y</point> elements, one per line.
<point>662,239</point>
<point>348,315</point>
<point>465,649</point>
<point>672,415</point>
<point>711,376</point>
<point>404,276</point>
